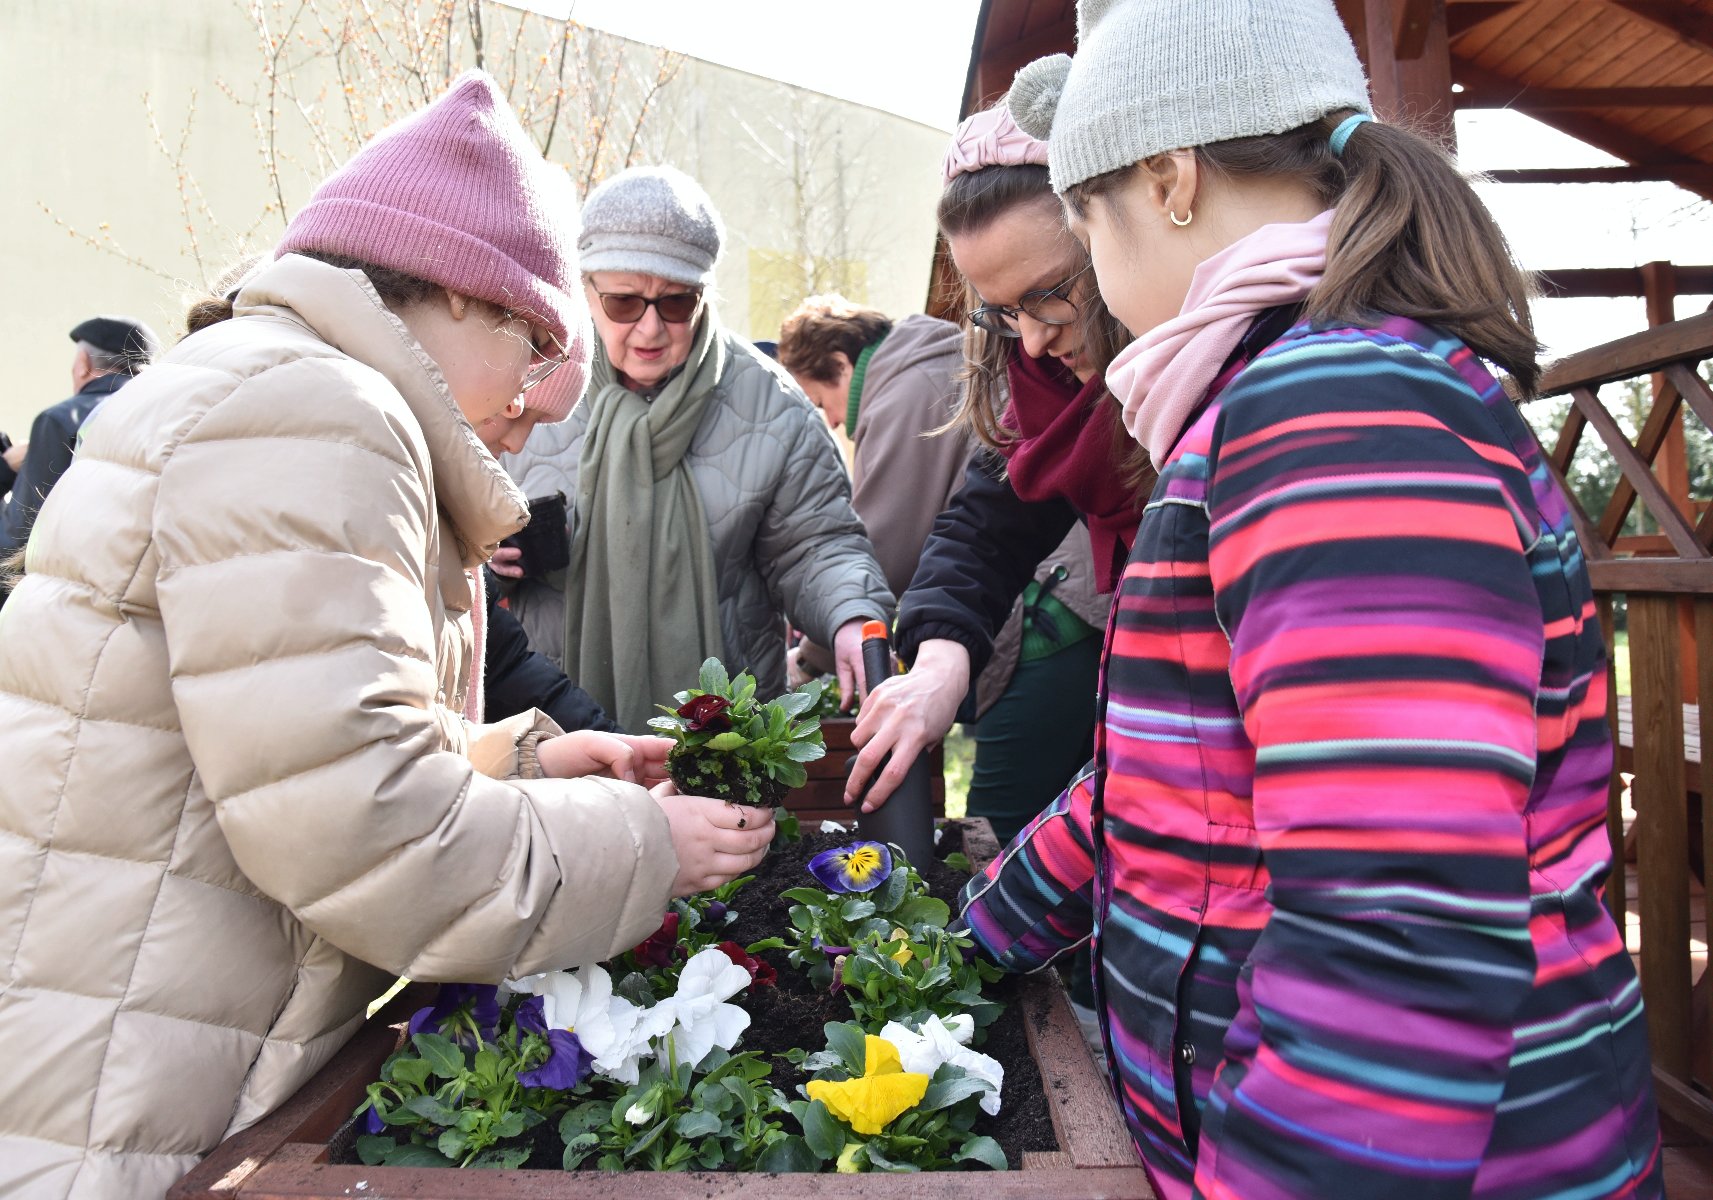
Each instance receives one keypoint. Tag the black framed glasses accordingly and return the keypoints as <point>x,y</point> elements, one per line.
<point>1049,306</point>
<point>627,308</point>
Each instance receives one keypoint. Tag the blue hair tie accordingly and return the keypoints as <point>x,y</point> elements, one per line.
<point>1342,134</point>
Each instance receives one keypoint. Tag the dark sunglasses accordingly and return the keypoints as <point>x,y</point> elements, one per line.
<point>1049,306</point>
<point>679,308</point>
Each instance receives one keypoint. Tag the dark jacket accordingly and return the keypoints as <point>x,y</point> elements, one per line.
<point>519,679</point>
<point>983,552</point>
<point>53,436</point>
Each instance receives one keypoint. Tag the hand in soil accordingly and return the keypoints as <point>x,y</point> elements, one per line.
<point>715,841</point>
<point>617,755</point>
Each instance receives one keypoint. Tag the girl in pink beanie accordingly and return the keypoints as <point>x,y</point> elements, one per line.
<point>236,679</point>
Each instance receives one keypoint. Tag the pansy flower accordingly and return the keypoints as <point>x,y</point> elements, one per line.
<point>858,867</point>
<point>660,948</point>
<point>942,1041</point>
<point>883,1092</point>
<point>460,1010</point>
<point>703,714</point>
<point>566,1065</point>
<point>761,972</point>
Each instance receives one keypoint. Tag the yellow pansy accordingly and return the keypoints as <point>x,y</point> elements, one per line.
<point>847,1159</point>
<point>901,955</point>
<point>883,1093</point>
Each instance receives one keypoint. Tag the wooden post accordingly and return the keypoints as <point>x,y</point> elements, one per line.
<point>1662,860</point>
<point>1424,78</point>
<point>1659,290</point>
<point>1372,29</point>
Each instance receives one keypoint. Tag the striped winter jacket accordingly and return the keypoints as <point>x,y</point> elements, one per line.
<point>1341,848</point>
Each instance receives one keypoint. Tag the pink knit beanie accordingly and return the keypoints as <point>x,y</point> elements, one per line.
<point>458,195</point>
<point>554,397</point>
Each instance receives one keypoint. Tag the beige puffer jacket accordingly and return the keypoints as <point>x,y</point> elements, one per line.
<point>239,796</point>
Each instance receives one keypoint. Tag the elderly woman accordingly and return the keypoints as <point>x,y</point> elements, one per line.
<point>709,503</point>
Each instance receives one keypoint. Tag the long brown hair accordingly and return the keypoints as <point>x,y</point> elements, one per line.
<point>971,202</point>
<point>1410,237</point>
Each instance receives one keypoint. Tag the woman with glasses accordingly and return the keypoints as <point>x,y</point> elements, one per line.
<point>709,503</point>
<point>1008,559</point>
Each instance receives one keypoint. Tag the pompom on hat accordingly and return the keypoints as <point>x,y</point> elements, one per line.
<point>458,195</point>
<point>990,138</point>
<point>1151,76</point>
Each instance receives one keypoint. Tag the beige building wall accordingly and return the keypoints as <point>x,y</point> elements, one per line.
<point>816,192</point>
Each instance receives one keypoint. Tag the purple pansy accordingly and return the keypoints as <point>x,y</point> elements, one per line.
<point>372,1122</point>
<point>858,867</point>
<point>530,1017</point>
<point>567,1063</point>
<point>483,1001</point>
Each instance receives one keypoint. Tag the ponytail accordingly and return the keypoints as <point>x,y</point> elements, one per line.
<point>1412,239</point>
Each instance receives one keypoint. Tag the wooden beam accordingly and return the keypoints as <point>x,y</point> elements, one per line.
<point>998,65</point>
<point>1583,282</point>
<point>1526,99</point>
<point>1678,171</point>
<point>1688,340</point>
<point>1461,18</point>
<point>1583,125</point>
<point>1411,25</point>
<point>1693,29</point>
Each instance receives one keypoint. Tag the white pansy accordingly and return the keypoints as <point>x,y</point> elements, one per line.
<point>832,827</point>
<point>701,1018</point>
<point>925,1050</point>
<point>615,1032</point>
<point>636,1114</point>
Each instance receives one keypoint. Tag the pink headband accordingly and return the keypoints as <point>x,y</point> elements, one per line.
<point>991,138</point>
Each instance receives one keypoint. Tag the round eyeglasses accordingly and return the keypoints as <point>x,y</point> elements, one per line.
<point>627,308</point>
<point>544,359</point>
<point>1049,306</point>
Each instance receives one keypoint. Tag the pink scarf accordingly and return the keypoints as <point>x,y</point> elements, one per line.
<point>1162,377</point>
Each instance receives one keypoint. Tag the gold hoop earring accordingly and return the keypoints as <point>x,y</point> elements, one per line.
<point>1187,219</point>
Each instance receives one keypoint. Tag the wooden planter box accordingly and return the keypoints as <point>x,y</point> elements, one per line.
<point>823,797</point>
<point>287,1153</point>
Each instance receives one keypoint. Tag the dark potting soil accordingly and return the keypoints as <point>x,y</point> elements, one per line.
<point>792,1014</point>
<point>723,777</point>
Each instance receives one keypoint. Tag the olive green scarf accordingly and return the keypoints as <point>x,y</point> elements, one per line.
<point>642,606</point>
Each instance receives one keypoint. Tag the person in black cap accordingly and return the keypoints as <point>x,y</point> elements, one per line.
<point>110,350</point>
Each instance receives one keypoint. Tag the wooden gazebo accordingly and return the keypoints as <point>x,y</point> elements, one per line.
<point>1633,78</point>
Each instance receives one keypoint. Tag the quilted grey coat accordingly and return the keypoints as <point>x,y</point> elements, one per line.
<point>787,544</point>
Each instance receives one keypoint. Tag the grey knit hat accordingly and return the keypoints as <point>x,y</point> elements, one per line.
<point>1156,75</point>
<point>653,220</point>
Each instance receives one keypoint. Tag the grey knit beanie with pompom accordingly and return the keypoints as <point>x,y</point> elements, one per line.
<point>1156,75</point>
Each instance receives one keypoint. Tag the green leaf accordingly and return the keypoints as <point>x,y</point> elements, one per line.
<point>578,1148</point>
<point>487,1065</point>
<point>634,987</point>
<point>453,1143</point>
<point>508,1159</point>
<point>983,1150</point>
<point>415,1156</point>
<point>822,1131</point>
<point>856,910</point>
<point>948,1088</point>
<point>788,774</point>
<point>793,704</point>
<point>811,896</point>
<point>411,1072</point>
<point>805,752</point>
<point>445,1060</point>
<point>373,1148</point>
<point>430,1108</point>
<point>846,1040</point>
<point>789,1154</point>
<point>714,679</point>
<point>923,910</point>
<point>880,1162</point>
<point>509,1126</point>
<point>957,860</point>
<point>729,740</point>
<point>648,1139</point>
<point>697,1124</point>
<point>890,894</point>
<point>806,730</point>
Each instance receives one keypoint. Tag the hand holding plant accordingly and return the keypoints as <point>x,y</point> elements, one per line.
<point>729,745</point>
<point>632,758</point>
<point>715,841</point>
